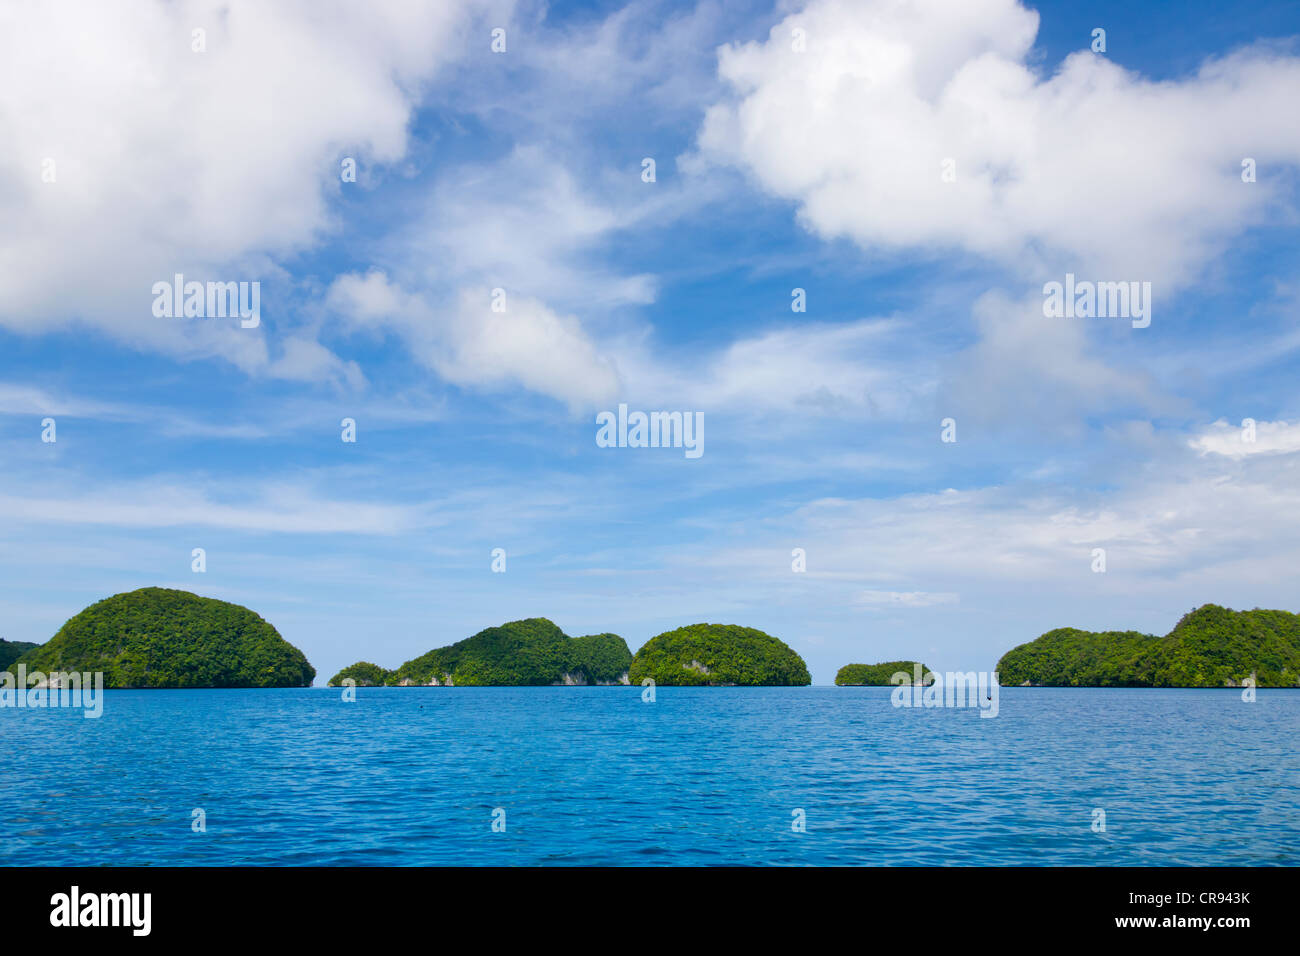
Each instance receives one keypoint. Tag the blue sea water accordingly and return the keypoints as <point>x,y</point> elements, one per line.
<point>592,775</point>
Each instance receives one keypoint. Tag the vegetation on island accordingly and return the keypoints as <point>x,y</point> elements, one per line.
<point>536,652</point>
<point>718,654</point>
<point>164,638</point>
<point>10,651</point>
<point>530,652</point>
<point>878,675</point>
<point>1211,646</point>
<point>158,637</point>
<point>601,658</point>
<point>363,674</point>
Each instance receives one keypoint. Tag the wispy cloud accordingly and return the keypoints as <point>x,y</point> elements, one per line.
<point>1249,438</point>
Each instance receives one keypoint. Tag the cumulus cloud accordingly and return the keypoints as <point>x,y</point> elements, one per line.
<point>164,159</point>
<point>469,343</point>
<point>1093,168</point>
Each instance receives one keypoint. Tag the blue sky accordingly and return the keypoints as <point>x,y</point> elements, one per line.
<point>776,169</point>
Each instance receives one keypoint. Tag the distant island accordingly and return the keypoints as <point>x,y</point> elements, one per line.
<point>536,652</point>
<point>878,675</point>
<point>164,638</point>
<point>718,655</point>
<point>528,653</point>
<point>161,638</point>
<point>10,651</point>
<point>1211,646</point>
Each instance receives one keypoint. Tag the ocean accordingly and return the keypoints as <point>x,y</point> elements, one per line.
<point>701,776</point>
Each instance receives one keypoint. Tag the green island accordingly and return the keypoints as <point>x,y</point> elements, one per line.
<point>10,651</point>
<point>718,654</point>
<point>164,638</point>
<point>161,638</point>
<point>1211,646</point>
<point>363,674</point>
<point>878,675</point>
<point>535,652</point>
<point>532,652</point>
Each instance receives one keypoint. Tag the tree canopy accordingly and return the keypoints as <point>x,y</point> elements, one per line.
<point>712,654</point>
<point>363,673</point>
<point>879,674</point>
<point>530,652</point>
<point>1211,646</point>
<point>10,651</point>
<point>158,637</point>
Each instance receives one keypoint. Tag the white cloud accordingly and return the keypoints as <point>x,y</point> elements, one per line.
<point>21,399</point>
<point>1022,369</point>
<point>287,508</point>
<point>468,343</point>
<point>1233,441</point>
<point>808,369</point>
<point>523,223</point>
<point>1187,530</point>
<point>868,368</point>
<point>30,401</point>
<point>1026,368</point>
<point>306,360</point>
<point>1093,168</point>
<point>211,164</point>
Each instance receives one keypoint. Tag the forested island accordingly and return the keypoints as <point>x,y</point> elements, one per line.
<point>1212,646</point>
<point>161,638</point>
<point>879,675</point>
<point>524,653</point>
<point>536,652</point>
<point>10,651</point>
<point>718,655</point>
